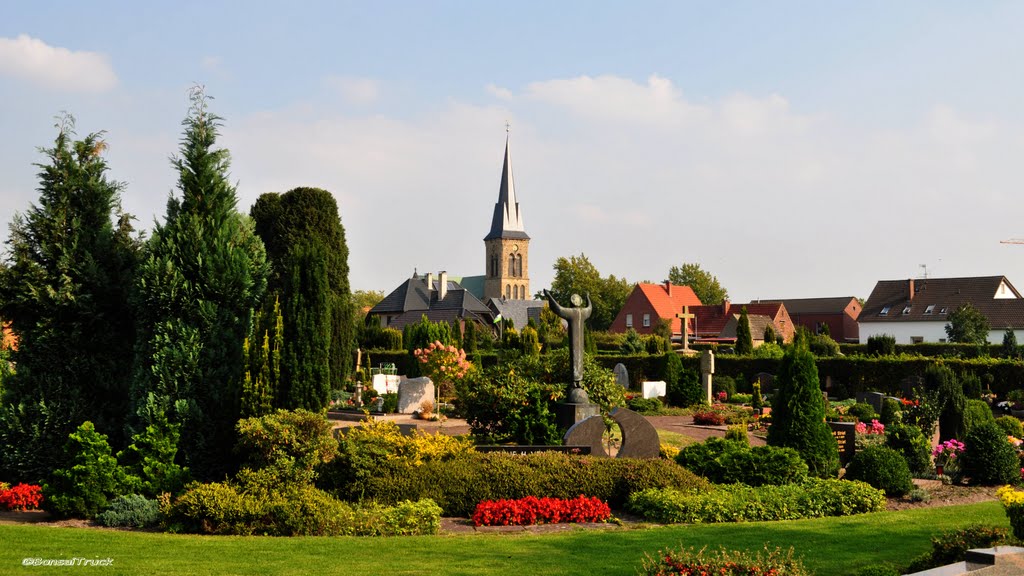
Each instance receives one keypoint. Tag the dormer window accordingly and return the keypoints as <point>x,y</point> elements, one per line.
<point>885,311</point>
<point>943,310</point>
<point>929,309</point>
<point>906,310</point>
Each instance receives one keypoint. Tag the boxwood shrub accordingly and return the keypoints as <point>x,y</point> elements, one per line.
<point>989,459</point>
<point>883,468</point>
<point>728,461</point>
<point>1011,425</point>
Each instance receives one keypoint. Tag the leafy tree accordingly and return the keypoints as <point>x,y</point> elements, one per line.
<point>306,248</point>
<point>968,325</point>
<point>64,291</point>
<point>576,275</point>
<point>1010,348</point>
<point>204,272</point>
<point>663,329</point>
<point>704,284</point>
<point>798,412</point>
<point>769,333</point>
<point>744,341</point>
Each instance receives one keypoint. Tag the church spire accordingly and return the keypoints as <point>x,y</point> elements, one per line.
<point>507,221</point>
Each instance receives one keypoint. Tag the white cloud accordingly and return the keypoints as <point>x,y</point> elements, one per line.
<point>359,91</point>
<point>55,67</point>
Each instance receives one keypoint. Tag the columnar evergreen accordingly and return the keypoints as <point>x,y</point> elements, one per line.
<point>744,341</point>
<point>64,290</point>
<point>204,272</point>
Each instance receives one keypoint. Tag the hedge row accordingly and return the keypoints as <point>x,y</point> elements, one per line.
<point>933,350</point>
<point>458,484</point>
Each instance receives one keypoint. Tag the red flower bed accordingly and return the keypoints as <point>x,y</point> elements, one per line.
<point>533,510</point>
<point>708,418</point>
<point>21,497</point>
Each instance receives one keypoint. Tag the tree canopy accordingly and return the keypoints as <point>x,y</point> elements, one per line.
<point>967,325</point>
<point>577,275</point>
<point>704,284</point>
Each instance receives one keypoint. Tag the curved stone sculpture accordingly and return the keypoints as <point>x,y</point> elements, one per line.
<point>587,432</point>
<point>639,438</point>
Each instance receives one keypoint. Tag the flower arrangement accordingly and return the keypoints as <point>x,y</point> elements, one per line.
<point>1013,503</point>
<point>875,428</point>
<point>533,510</point>
<point>722,396</point>
<point>946,455</point>
<point>20,497</point>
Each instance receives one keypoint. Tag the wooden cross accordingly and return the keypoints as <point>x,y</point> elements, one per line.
<point>685,317</point>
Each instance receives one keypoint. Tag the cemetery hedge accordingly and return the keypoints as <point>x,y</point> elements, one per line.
<point>728,461</point>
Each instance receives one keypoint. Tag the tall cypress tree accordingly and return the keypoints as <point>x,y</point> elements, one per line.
<point>204,272</point>
<point>64,290</point>
<point>744,341</point>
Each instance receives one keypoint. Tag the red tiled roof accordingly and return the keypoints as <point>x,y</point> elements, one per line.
<point>711,320</point>
<point>667,306</point>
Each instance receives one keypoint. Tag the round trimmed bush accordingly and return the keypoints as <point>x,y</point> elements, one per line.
<point>883,468</point>
<point>1011,425</point>
<point>976,412</point>
<point>909,441</point>
<point>863,411</point>
<point>989,459</point>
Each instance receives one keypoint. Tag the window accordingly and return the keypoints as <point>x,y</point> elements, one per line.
<point>943,310</point>
<point>515,292</point>
<point>929,309</point>
<point>519,265</point>
<point>916,339</point>
<point>629,320</point>
<point>942,340</point>
<point>511,264</point>
<point>885,311</point>
<point>494,266</point>
<point>647,320</point>
<point>508,291</point>
<point>906,310</point>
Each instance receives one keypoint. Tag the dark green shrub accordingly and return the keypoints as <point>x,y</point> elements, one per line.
<point>724,562</point>
<point>645,405</point>
<point>501,405</point>
<point>682,387</point>
<point>989,459</point>
<point>891,411</point>
<point>823,345</point>
<point>971,384</point>
<point>912,445</point>
<point>864,412</point>
<point>951,546</point>
<point>883,468</point>
<point>130,510</point>
<point>756,400</point>
<point>976,412</point>
<point>150,463</point>
<point>951,397</point>
<point>882,345</point>
<point>728,462</point>
<point>390,405</point>
<point>91,479</point>
<point>723,384</point>
<point>1011,426</point>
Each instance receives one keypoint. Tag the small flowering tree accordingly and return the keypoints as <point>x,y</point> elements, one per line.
<point>443,365</point>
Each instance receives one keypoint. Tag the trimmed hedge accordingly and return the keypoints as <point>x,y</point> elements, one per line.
<point>723,562</point>
<point>813,498</point>
<point>728,462</point>
<point>457,485</point>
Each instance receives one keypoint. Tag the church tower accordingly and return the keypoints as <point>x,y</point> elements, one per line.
<point>507,246</point>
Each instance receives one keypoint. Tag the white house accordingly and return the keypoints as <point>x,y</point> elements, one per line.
<point>917,310</point>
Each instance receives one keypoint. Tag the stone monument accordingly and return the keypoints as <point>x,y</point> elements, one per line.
<point>577,406</point>
<point>684,321</point>
<point>707,372</point>
<point>621,375</point>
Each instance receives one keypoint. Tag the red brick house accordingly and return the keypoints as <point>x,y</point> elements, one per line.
<point>649,302</point>
<point>718,323</point>
<point>8,341</point>
<point>839,314</point>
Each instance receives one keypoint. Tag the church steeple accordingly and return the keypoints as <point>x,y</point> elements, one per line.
<point>507,246</point>
<point>507,221</point>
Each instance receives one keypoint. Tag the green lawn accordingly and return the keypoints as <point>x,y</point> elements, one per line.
<point>832,546</point>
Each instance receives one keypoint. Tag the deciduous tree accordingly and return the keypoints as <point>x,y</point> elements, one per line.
<point>576,275</point>
<point>968,325</point>
<point>704,284</point>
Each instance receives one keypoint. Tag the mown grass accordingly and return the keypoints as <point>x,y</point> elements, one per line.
<point>675,439</point>
<point>832,546</point>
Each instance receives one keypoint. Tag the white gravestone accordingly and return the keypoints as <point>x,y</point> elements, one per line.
<point>412,392</point>
<point>386,383</point>
<point>654,389</point>
<point>621,375</point>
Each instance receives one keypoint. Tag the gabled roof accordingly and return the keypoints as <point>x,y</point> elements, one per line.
<point>412,299</point>
<point>932,299</point>
<point>757,323</point>
<point>519,311</point>
<point>836,305</point>
<point>711,320</point>
<point>507,221</point>
<point>668,300</point>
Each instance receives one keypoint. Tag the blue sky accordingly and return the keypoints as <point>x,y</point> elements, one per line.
<point>794,149</point>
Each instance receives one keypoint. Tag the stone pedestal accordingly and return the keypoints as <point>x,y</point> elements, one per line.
<point>569,414</point>
<point>705,380</point>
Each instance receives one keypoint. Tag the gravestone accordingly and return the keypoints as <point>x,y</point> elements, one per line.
<point>639,438</point>
<point>875,399</point>
<point>707,372</point>
<point>589,432</point>
<point>412,392</point>
<point>386,383</point>
<point>621,375</point>
<point>766,381</point>
<point>845,434</point>
<point>653,389</point>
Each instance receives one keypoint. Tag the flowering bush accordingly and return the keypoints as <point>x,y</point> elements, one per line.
<point>722,396</point>
<point>532,510</point>
<point>946,455</point>
<point>876,427</point>
<point>1013,503</point>
<point>21,497</point>
<point>689,562</point>
<point>444,365</point>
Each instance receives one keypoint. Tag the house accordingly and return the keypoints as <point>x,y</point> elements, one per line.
<point>650,302</point>
<point>917,310</point>
<point>8,341</point>
<point>519,312</point>
<point>717,323</point>
<point>839,314</point>
<point>440,300</point>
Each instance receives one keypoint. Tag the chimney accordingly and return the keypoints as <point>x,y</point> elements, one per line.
<point>429,281</point>
<point>443,288</point>
<point>668,287</point>
<point>725,307</point>
<point>910,289</point>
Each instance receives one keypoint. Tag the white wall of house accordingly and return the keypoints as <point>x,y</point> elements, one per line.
<point>906,332</point>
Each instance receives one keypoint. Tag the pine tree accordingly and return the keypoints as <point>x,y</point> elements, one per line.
<point>204,273</point>
<point>744,341</point>
<point>798,413</point>
<point>64,290</point>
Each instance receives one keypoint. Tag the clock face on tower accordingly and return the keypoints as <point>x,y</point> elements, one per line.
<point>515,248</point>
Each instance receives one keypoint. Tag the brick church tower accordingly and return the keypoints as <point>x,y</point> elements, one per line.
<point>507,245</point>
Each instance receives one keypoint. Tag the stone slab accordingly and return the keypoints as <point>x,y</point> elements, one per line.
<point>845,434</point>
<point>386,383</point>
<point>653,389</point>
<point>621,375</point>
<point>412,392</point>
<point>568,414</point>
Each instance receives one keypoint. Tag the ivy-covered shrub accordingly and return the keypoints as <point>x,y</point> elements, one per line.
<point>989,459</point>
<point>91,479</point>
<point>532,510</point>
<point>728,462</point>
<point>813,498</point>
<point>883,468</point>
<point>130,510</point>
<point>460,483</point>
<point>1011,426</point>
<point>912,445</point>
<point>976,412</point>
<point>951,546</point>
<point>723,562</point>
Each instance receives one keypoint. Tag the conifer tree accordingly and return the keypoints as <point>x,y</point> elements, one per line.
<point>744,341</point>
<point>64,290</point>
<point>798,412</point>
<point>203,274</point>
<point>262,352</point>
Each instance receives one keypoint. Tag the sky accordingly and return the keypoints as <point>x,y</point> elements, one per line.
<point>792,149</point>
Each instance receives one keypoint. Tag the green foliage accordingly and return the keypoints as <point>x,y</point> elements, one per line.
<point>912,445</point>
<point>203,274</point>
<point>723,562</point>
<point>968,325</point>
<point>892,411</point>
<point>576,275</point>
<point>261,356</point>
<point>682,387</point>
<point>529,341</point>
<point>422,333</point>
<point>292,443</point>
<point>1011,426</point>
<point>814,498</point>
<point>64,288</point>
<point>951,398</point>
<point>632,343</point>
<point>132,511</point>
<point>90,478</point>
<point>882,345</point>
<point>976,412</point>
<point>989,459</point>
<point>704,284</point>
<point>770,335</point>
<point>756,398</point>
<point>863,411</point>
<point>798,413</point>
<point>823,345</point>
<point>729,461</point>
<point>744,341</point>
<point>951,546</point>
<point>1010,347</point>
<point>645,405</point>
<point>150,460</point>
<point>723,383</point>
<point>738,433</point>
<point>662,328</point>
<point>883,468</point>
<point>769,350</point>
<point>501,405</point>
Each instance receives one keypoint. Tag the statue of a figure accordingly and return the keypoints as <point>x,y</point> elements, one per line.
<point>575,317</point>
